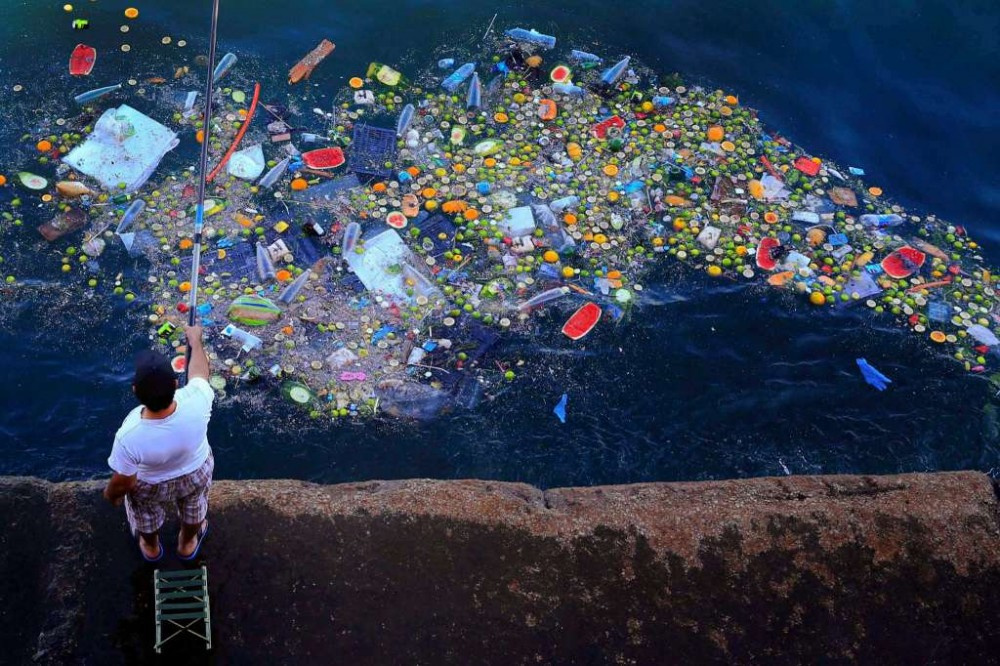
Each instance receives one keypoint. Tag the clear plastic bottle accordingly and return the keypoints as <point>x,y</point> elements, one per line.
<point>532,37</point>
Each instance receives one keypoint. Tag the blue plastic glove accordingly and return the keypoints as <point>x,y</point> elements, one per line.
<point>873,376</point>
<point>560,409</point>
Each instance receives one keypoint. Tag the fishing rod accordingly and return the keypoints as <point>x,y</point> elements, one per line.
<point>199,219</point>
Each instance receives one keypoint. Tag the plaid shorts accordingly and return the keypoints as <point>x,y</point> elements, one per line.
<point>146,506</point>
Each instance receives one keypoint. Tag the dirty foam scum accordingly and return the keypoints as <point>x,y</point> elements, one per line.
<point>368,256</point>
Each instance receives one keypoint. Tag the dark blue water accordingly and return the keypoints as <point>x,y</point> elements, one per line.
<point>702,382</point>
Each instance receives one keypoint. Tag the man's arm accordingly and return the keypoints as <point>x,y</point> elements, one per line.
<point>119,486</point>
<point>198,365</point>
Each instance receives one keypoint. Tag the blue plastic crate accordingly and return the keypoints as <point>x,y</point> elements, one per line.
<point>371,147</point>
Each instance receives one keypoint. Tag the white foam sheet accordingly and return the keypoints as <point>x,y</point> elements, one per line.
<point>126,146</point>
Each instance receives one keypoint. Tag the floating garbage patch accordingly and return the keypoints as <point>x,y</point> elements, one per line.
<point>367,258</point>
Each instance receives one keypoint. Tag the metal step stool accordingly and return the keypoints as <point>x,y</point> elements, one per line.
<point>182,600</point>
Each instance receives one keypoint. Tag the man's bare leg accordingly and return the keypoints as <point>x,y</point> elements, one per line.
<point>188,538</point>
<point>150,544</point>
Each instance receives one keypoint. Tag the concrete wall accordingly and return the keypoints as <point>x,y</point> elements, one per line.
<point>899,569</point>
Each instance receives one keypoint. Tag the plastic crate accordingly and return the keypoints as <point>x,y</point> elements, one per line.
<point>371,148</point>
<point>432,226</point>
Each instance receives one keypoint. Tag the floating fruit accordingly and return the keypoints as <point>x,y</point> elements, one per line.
<point>31,181</point>
<point>561,74</point>
<point>715,133</point>
<point>817,298</point>
<point>72,188</point>
<point>938,336</point>
<point>396,220</point>
<point>44,146</point>
<point>299,184</point>
<point>551,256</point>
<point>356,82</point>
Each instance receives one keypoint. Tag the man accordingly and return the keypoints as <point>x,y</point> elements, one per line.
<point>161,457</point>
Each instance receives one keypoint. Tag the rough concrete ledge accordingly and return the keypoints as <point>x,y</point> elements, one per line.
<point>901,569</point>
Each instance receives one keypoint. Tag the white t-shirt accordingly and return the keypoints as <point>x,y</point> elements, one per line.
<point>162,449</point>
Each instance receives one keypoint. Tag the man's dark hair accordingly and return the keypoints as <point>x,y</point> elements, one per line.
<point>154,380</point>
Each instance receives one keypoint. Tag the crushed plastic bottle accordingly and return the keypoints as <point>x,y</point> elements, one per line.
<point>881,221</point>
<point>532,37</point>
<point>456,78</point>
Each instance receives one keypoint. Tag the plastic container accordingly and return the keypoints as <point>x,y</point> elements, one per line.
<point>559,205</point>
<point>371,148</point>
<point>265,267</point>
<point>583,56</point>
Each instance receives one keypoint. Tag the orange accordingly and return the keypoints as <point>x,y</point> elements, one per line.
<point>551,256</point>
<point>428,193</point>
<point>715,133</point>
<point>756,189</point>
<point>613,196</point>
<point>131,13</point>
<point>567,272</point>
<point>938,336</point>
<point>184,287</point>
<point>43,146</point>
<point>732,100</point>
<point>199,136</point>
<point>299,184</point>
<point>679,224</point>
<point>659,128</point>
<point>489,162</point>
<point>614,275</point>
<point>570,219</point>
<point>3,179</point>
<point>610,170</point>
<point>283,275</point>
<point>471,214</point>
<point>413,171</point>
<point>378,188</point>
<point>501,117</point>
<point>186,244</point>
<point>287,330</point>
<point>355,82</point>
<point>875,191</point>
<point>600,238</point>
<point>770,217</point>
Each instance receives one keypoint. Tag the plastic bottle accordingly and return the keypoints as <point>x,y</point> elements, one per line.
<point>615,72</point>
<point>881,221</point>
<point>246,338</point>
<point>559,205</point>
<point>661,101</point>
<point>289,293</point>
<point>474,99</point>
<point>224,66</point>
<point>583,56</point>
<point>531,37</point>
<point>456,78</point>
<point>351,235</point>
<point>805,217</point>
<point>544,297</point>
<point>276,172</point>
<point>405,118</point>
<point>131,213</point>
<point>265,267</point>
<point>446,63</point>
<point>568,89</point>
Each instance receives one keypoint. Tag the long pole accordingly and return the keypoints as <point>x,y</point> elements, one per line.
<point>199,219</point>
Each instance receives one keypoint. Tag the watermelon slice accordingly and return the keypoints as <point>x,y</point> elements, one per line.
<point>457,135</point>
<point>31,181</point>
<point>179,363</point>
<point>582,321</point>
<point>561,74</point>
<point>324,158</point>
<point>904,262</point>
<point>807,166</point>
<point>396,220</point>
<point>600,130</point>
<point>82,60</point>
<point>765,255</point>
